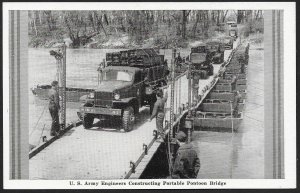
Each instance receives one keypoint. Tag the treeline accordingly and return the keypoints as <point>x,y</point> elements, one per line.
<point>163,26</point>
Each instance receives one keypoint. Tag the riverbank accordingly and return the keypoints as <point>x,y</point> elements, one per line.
<point>121,41</point>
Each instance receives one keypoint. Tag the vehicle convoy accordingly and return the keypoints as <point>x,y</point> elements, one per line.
<point>128,82</point>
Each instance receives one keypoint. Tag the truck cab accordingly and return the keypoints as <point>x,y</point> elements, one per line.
<point>228,42</point>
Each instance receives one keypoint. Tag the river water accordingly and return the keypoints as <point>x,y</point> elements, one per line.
<point>238,155</point>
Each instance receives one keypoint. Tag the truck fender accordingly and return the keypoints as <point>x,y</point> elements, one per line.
<point>131,101</point>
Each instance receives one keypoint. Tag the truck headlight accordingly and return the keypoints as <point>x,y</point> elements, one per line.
<point>117,96</point>
<point>91,95</point>
<point>149,90</point>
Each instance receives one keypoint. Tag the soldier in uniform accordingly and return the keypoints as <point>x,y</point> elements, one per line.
<point>195,84</point>
<point>179,59</point>
<point>159,113</point>
<point>187,163</point>
<point>54,108</point>
<point>233,83</point>
<point>242,67</point>
<point>235,103</point>
<point>241,60</point>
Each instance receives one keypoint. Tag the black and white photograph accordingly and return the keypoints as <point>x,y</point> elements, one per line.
<point>149,96</point>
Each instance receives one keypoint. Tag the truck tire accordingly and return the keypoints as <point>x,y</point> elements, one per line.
<point>128,119</point>
<point>88,121</point>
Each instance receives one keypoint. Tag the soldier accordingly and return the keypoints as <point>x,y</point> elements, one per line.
<point>195,84</point>
<point>187,163</point>
<point>178,61</point>
<point>235,104</point>
<point>242,63</point>
<point>159,113</point>
<point>233,83</point>
<point>241,60</point>
<point>54,108</point>
<point>100,68</point>
<point>187,58</point>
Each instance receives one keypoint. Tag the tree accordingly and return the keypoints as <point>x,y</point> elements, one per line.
<point>50,20</point>
<point>185,15</point>
<point>75,23</point>
<point>240,16</point>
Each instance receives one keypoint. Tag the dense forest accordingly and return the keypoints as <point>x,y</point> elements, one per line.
<point>133,28</point>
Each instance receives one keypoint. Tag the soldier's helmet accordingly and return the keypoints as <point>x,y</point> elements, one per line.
<point>159,93</point>
<point>181,136</point>
<point>54,83</point>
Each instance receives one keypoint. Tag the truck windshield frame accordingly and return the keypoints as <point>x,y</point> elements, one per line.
<point>117,75</point>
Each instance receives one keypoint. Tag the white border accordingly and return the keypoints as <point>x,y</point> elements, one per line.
<point>289,91</point>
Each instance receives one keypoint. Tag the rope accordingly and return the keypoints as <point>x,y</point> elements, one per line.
<point>38,121</point>
<point>231,165</point>
<point>176,95</point>
<point>179,91</point>
<point>169,156</point>
<point>41,134</point>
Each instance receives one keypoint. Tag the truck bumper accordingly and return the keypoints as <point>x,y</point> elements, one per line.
<point>101,111</point>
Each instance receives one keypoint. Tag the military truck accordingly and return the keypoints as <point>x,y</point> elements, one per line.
<point>127,83</point>
<point>233,32</point>
<point>228,42</point>
<point>201,61</point>
<point>216,49</point>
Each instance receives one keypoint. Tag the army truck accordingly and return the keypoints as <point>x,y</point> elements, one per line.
<point>216,49</point>
<point>201,61</point>
<point>228,42</point>
<point>127,83</point>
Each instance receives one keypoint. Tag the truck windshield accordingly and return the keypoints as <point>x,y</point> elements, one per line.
<point>199,49</point>
<point>117,76</point>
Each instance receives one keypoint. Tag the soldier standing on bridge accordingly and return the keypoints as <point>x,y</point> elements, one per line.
<point>233,83</point>
<point>54,108</point>
<point>159,113</point>
<point>187,163</point>
<point>196,78</point>
<point>235,104</point>
<point>178,61</point>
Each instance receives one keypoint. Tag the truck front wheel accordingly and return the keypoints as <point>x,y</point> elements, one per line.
<point>128,119</point>
<point>88,121</point>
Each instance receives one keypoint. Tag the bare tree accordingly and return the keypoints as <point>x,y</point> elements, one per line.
<point>185,15</point>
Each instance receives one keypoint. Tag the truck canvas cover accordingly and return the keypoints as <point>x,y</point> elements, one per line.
<point>135,57</point>
<point>198,58</point>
